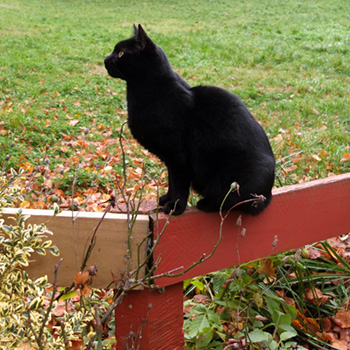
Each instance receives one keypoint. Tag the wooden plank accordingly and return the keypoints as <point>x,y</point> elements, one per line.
<point>151,320</point>
<point>69,227</point>
<point>298,215</point>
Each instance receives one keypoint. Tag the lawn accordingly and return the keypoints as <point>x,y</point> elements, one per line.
<point>60,113</point>
<point>288,61</point>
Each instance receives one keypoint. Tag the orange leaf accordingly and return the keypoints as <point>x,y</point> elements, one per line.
<point>315,296</point>
<point>340,344</point>
<point>58,192</point>
<point>323,152</point>
<point>326,324</point>
<point>312,324</point>
<point>342,319</point>
<point>297,159</point>
<point>345,158</point>
<point>86,291</point>
<point>81,278</point>
<point>24,204</point>
<point>76,344</point>
<point>330,336</point>
<point>296,323</point>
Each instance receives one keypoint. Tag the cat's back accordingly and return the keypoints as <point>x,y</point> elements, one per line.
<point>210,97</point>
<point>218,114</point>
<point>218,107</point>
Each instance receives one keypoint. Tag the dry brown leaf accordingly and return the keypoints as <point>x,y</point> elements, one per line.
<point>24,347</point>
<point>266,266</point>
<point>73,122</point>
<point>312,324</point>
<point>314,253</point>
<point>330,336</point>
<point>61,307</point>
<point>340,344</point>
<point>200,298</point>
<point>81,278</point>
<point>315,296</point>
<point>342,319</point>
<point>76,344</point>
<point>326,324</point>
<point>86,291</point>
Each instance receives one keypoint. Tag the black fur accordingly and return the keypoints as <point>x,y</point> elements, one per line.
<point>205,135</point>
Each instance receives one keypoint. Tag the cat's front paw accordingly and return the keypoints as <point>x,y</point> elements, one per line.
<point>176,207</point>
<point>164,199</point>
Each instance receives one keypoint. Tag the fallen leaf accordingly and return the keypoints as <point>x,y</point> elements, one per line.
<point>73,122</point>
<point>81,278</point>
<point>62,307</point>
<point>297,323</point>
<point>86,291</point>
<point>342,319</point>
<point>340,344</point>
<point>76,344</point>
<point>200,298</point>
<point>315,296</point>
<point>266,266</point>
<point>346,157</point>
<point>289,169</point>
<point>314,253</point>
<point>326,324</point>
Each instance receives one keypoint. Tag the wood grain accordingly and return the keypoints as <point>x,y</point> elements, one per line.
<point>71,233</point>
<point>152,318</point>
<point>298,215</point>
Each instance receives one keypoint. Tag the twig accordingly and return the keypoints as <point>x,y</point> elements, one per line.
<point>205,257</point>
<point>72,197</point>
<point>141,328</point>
<point>49,308</point>
<point>63,331</point>
<point>93,238</point>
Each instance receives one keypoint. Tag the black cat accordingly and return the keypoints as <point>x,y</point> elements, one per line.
<point>205,135</point>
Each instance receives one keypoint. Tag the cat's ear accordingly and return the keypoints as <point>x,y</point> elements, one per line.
<point>142,37</point>
<point>136,31</point>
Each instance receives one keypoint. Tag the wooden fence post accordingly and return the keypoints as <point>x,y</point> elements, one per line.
<point>151,320</point>
<point>298,215</point>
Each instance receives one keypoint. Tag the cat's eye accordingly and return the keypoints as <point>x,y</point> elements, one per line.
<point>120,53</point>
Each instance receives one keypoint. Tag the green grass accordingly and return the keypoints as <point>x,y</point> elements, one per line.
<point>288,60</point>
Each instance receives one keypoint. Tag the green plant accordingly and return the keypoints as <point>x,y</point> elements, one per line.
<point>26,304</point>
<point>238,306</point>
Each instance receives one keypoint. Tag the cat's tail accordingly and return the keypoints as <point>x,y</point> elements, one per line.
<point>252,205</point>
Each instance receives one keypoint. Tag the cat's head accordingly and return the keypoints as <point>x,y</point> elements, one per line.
<point>135,58</point>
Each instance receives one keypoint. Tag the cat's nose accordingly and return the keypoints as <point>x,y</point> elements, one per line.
<point>107,59</point>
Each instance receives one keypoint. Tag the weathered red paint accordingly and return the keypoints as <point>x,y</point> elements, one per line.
<point>151,320</point>
<point>298,215</point>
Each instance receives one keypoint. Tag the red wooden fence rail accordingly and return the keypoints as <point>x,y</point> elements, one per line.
<point>298,215</point>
